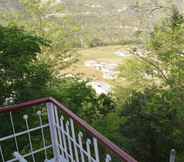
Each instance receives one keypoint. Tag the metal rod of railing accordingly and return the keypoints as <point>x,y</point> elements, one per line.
<point>172,155</point>
<point>123,155</point>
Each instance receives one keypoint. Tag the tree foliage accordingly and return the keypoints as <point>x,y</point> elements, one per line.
<point>153,117</point>
<point>153,125</point>
<point>22,75</point>
<point>81,98</point>
<point>48,20</point>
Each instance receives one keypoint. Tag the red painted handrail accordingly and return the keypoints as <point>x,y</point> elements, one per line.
<point>123,155</point>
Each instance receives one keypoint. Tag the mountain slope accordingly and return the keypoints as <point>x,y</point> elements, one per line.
<point>109,20</point>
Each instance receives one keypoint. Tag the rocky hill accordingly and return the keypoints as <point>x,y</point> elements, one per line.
<point>109,20</point>
<point>121,19</point>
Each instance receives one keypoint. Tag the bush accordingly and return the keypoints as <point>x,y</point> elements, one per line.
<point>96,43</point>
<point>152,123</point>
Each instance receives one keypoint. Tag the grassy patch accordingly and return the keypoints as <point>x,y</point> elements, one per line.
<point>99,54</point>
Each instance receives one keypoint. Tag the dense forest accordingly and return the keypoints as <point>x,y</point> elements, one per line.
<point>39,40</point>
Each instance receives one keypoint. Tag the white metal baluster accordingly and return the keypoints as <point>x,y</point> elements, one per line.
<point>80,135</point>
<point>74,141</point>
<point>172,155</point>
<point>63,136</point>
<point>29,136</point>
<point>42,132</point>
<point>88,143</point>
<point>58,130</point>
<point>13,128</point>
<point>2,156</point>
<point>96,149</point>
<point>53,132</point>
<point>69,140</point>
<point>108,158</point>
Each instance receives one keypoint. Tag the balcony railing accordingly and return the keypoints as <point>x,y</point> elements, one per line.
<point>45,130</point>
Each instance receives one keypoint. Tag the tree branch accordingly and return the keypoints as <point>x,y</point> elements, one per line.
<point>164,77</point>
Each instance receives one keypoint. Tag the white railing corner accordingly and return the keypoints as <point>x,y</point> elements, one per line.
<point>53,130</point>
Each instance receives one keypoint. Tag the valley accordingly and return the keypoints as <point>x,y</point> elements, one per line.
<point>100,65</point>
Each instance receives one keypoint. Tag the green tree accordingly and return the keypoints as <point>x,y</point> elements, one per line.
<point>152,125</point>
<point>153,113</point>
<point>49,20</point>
<point>23,76</point>
<point>162,63</point>
<point>81,98</point>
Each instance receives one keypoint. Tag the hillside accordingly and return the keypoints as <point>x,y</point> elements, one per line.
<point>118,20</point>
<point>110,21</point>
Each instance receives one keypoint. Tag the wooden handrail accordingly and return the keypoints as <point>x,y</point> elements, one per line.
<point>123,155</point>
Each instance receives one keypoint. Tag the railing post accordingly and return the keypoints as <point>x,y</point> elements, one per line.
<point>53,131</point>
<point>172,155</point>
